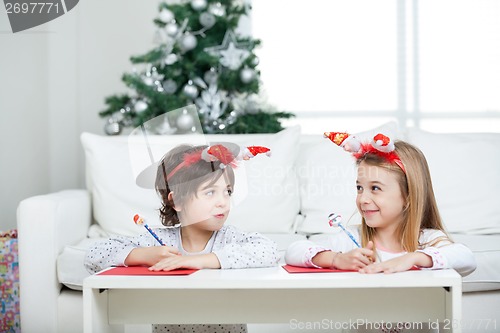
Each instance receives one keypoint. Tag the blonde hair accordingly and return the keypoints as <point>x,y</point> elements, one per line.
<point>420,211</point>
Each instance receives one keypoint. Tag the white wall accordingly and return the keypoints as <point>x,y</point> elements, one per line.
<point>53,81</point>
<point>24,120</point>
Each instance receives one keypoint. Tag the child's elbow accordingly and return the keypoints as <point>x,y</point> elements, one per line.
<point>466,264</point>
<point>468,268</point>
<point>294,254</point>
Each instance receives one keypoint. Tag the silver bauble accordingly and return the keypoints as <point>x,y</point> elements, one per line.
<point>217,9</point>
<point>247,75</point>
<point>190,90</point>
<point>118,116</point>
<point>171,29</point>
<point>140,106</point>
<point>112,128</point>
<point>255,61</point>
<point>148,80</point>
<point>210,76</point>
<point>166,15</point>
<point>198,5</point>
<point>171,59</point>
<point>188,42</point>
<point>252,104</point>
<point>207,20</point>
<point>170,86</point>
<point>185,121</point>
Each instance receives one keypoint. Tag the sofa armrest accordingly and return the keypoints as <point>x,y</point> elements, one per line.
<point>46,224</point>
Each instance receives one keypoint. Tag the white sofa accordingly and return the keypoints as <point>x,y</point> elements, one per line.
<point>287,197</point>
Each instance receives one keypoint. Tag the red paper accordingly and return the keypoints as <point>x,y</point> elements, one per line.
<point>296,269</point>
<point>141,270</point>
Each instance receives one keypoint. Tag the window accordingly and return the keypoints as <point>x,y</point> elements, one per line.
<point>356,64</point>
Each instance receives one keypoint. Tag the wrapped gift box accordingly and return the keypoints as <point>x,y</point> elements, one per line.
<point>10,320</point>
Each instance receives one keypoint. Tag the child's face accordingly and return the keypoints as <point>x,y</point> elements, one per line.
<point>209,208</point>
<point>379,198</point>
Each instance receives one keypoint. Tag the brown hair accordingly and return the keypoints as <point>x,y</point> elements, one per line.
<point>421,211</point>
<point>185,182</point>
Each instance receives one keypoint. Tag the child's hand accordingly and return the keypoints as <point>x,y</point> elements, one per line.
<point>399,264</point>
<point>190,262</point>
<point>150,255</point>
<point>355,259</point>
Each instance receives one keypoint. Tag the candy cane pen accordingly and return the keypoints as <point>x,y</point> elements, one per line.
<point>140,221</point>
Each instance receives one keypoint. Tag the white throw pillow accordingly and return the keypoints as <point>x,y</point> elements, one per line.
<point>266,198</point>
<point>466,178</point>
<point>327,180</point>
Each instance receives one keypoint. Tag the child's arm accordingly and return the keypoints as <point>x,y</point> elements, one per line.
<point>150,256</point>
<point>309,254</point>
<point>199,261</point>
<point>238,249</point>
<point>446,254</point>
<point>400,264</point>
<point>301,253</point>
<point>115,250</point>
<point>441,255</point>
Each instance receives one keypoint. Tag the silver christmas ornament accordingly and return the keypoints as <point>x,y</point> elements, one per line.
<point>171,59</point>
<point>207,20</point>
<point>152,77</point>
<point>140,106</point>
<point>166,15</point>
<point>188,42</point>
<point>118,116</point>
<point>190,90</point>
<point>171,29</point>
<point>211,76</point>
<point>198,5</point>
<point>247,75</point>
<point>185,121</point>
<point>217,9</point>
<point>200,83</point>
<point>233,57</point>
<point>112,127</point>
<point>169,86</point>
<point>212,102</point>
<point>231,52</point>
<point>255,61</point>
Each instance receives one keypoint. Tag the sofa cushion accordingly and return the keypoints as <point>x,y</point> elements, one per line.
<point>266,198</point>
<point>464,170</point>
<point>486,249</point>
<point>327,179</point>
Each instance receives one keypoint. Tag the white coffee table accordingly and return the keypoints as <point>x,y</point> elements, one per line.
<point>272,295</point>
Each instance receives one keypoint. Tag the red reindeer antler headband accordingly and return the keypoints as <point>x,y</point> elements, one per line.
<point>220,153</point>
<point>381,145</point>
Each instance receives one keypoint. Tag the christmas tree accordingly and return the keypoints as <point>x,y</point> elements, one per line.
<point>199,59</point>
